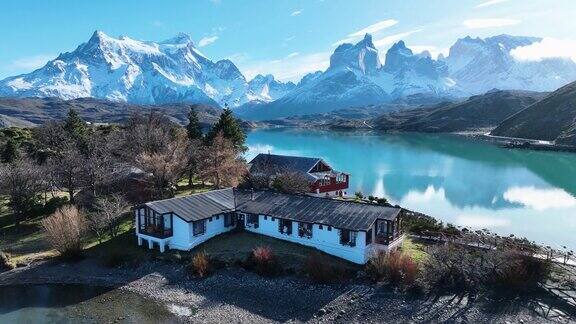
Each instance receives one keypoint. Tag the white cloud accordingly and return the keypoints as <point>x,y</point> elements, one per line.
<point>28,63</point>
<point>480,222</point>
<point>540,199</point>
<point>292,54</point>
<point>207,41</point>
<point>490,23</point>
<point>289,68</point>
<point>296,13</point>
<point>374,28</point>
<point>394,38</point>
<point>547,48</point>
<point>490,3</point>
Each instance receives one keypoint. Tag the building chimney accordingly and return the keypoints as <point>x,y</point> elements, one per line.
<point>252,194</point>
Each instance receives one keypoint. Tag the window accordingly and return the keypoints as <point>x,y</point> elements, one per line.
<point>320,226</point>
<point>305,230</point>
<point>329,228</point>
<point>199,227</point>
<point>285,226</point>
<point>265,217</point>
<point>217,217</point>
<point>228,220</point>
<point>369,236</point>
<point>347,237</point>
<point>273,219</point>
<point>252,220</point>
<point>210,219</point>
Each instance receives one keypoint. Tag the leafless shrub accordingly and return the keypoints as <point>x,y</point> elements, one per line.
<point>200,266</point>
<point>64,230</point>
<point>394,267</point>
<point>263,261</point>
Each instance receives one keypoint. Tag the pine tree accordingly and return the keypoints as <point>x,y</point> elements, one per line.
<point>75,125</point>
<point>10,152</point>
<point>193,128</point>
<point>230,129</point>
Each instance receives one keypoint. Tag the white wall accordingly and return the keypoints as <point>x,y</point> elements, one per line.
<point>184,239</point>
<point>322,239</point>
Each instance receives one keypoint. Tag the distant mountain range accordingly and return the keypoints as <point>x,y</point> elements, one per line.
<point>481,112</point>
<point>175,71</point>
<point>140,72</point>
<point>550,119</point>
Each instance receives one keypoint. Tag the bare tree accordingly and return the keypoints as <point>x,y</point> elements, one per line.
<point>99,162</point>
<point>109,210</point>
<point>291,182</point>
<point>166,165</point>
<point>221,163</point>
<point>68,169</point>
<point>22,180</point>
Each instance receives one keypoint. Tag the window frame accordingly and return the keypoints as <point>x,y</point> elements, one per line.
<point>201,224</point>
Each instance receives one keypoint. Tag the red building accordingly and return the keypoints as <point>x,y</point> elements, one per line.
<point>324,181</point>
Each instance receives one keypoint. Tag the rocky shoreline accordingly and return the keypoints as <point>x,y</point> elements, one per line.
<point>237,296</point>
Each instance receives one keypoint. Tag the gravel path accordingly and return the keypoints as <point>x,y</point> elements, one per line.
<point>236,296</point>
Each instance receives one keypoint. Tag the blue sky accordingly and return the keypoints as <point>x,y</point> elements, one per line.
<point>282,37</point>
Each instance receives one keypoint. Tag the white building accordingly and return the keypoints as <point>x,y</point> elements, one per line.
<point>349,230</point>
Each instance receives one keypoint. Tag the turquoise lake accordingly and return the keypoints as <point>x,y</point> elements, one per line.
<point>458,180</point>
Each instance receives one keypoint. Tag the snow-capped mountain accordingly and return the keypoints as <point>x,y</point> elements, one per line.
<point>124,69</point>
<point>356,77</point>
<point>266,88</point>
<point>172,71</point>
<point>478,65</point>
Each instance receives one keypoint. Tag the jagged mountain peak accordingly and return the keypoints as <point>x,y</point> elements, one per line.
<point>145,72</point>
<point>362,57</point>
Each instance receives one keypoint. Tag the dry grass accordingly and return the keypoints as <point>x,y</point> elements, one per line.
<point>394,267</point>
<point>200,266</point>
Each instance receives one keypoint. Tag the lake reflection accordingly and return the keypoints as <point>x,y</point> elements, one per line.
<point>458,180</point>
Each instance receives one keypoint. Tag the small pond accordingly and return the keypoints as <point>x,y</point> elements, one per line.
<point>79,304</point>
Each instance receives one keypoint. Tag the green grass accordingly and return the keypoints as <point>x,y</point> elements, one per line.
<point>237,246</point>
<point>415,249</point>
<point>183,189</point>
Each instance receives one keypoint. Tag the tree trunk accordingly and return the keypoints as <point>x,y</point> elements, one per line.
<point>71,195</point>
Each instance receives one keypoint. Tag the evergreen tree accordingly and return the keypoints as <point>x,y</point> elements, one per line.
<point>193,128</point>
<point>230,129</point>
<point>10,152</point>
<point>75,125</point>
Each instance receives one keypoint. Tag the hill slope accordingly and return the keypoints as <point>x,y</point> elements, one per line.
<point>477,112</point>
<point>23,112</point>
<point>551,119</point>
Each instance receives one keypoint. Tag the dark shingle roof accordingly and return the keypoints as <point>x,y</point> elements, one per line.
<point>265,163</point>
<point>197,206</point>
<point>302,208</point>
<point>337,213</point>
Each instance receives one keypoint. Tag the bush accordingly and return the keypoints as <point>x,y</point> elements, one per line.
<point>519,273</point>
<point>459,268</point>
<point>394,267</point>
<point>263,261</point>
<point>64,230</point>
<point>6,262</point>
<point>321,270</point>
<point>200,266</point>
